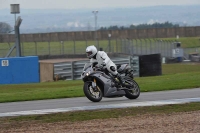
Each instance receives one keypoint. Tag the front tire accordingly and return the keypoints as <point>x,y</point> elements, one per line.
<point>134,92</point>
<point>94,96</point>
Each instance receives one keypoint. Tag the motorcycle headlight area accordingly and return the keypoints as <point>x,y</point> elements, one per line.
<point>88,73</point>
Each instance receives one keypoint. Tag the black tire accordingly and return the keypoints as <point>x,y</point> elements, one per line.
<point>88,93</point>
<point>134,92</point>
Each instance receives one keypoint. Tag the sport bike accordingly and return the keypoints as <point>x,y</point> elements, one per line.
<point>98,83</point>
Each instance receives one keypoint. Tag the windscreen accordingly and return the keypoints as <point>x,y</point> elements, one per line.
<point>87,65</point>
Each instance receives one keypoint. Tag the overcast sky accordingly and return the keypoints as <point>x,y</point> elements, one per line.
<point>85,4</point>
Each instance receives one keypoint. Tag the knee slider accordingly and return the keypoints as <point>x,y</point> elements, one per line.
<point>112,68</point>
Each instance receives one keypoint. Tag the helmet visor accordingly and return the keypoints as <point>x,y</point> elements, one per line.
<point>89,53</point>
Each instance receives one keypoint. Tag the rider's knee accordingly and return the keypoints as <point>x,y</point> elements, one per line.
<point>113,70</point>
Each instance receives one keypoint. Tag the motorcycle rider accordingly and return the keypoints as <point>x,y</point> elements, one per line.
<point>103,61</point>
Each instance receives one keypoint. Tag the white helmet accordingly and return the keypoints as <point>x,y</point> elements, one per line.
<point>91,51</point>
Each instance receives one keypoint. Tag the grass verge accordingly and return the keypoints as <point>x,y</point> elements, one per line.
<point>101,114</point>
<point>67,89</point>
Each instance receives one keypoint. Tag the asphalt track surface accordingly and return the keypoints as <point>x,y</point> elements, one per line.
<point>83,101</point>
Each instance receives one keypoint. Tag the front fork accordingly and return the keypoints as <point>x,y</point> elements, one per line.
<point>94,85</point>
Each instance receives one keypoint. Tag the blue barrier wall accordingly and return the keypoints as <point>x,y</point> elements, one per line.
<point>18,70</point>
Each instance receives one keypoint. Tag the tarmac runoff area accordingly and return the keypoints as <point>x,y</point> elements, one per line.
<point>109,106</point>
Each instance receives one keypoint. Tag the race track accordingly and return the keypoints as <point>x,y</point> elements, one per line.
<point>70,104</point>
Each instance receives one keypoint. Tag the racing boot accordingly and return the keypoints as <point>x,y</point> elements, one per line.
<point>121,80</point>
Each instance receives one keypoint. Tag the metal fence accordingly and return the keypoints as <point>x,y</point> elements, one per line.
<point>54,48</point>
<point>147,46</point>
<point>128,46</point>
<point>73,70</point>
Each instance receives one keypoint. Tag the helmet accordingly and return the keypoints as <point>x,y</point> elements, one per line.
<point>91,51</point>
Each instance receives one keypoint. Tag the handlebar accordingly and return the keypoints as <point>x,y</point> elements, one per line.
<point>98,68</point>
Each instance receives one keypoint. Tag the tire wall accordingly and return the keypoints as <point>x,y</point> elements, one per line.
<point>150,65</point>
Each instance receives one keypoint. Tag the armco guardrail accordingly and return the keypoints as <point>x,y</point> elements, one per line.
<point>63,70</point>
<point>195,58</point>
<point>73,70</point>
<point>135,65</point>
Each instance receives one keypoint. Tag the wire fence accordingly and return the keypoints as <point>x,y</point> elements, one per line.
<point>155,46</point>
<point>127,46</point>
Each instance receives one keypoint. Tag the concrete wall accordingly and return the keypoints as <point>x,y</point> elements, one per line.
<point>46,72</point>
<point>102,35</point>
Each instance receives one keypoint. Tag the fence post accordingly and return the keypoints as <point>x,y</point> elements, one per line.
<point>86,44</point>
<point>60,47</point>
<point>132,46</point>
<point>150,46</point>
<point>125,46</point>
<point>35,48</point>
<point>72,70</point>
<point>164,48</point>
<point>168,48</point>
<point>9,45</point>
<point>116,46</point>
<point>146,46</point>
<point>157,43</point>
<point>154,46</point>
<point>109,45</point>
<point>140,46</point>
<point>22,48</point>
<point>121,45</point>
<point>49,47</point>
<point>172,47</point>
<point>74,46</point>
<point>98,43</point>
<point>161,47</point>
<point>62,43</point>
<point>136,47</point>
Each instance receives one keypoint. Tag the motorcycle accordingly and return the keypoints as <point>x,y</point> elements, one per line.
<point>98,83</point>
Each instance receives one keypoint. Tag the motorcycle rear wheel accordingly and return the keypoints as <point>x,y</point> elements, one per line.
<point>91,94</point>
<point>133,93</point>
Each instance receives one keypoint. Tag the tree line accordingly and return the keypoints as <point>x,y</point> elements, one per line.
<point>5,27</point>
<point>142,26</point>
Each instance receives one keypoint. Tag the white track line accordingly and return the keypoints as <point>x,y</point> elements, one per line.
<point>111,106</point>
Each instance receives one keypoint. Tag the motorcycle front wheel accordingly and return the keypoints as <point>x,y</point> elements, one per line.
<point>134,92</point>
<point>94,95</point>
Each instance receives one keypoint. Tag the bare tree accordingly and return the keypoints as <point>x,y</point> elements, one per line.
<point>5,27</point>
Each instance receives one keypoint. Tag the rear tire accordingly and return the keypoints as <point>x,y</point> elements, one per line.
<point>133,93</point>
<point>90,94</point>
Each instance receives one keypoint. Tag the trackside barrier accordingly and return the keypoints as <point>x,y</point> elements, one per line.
<point>19,70</point>
<point>73,70</point>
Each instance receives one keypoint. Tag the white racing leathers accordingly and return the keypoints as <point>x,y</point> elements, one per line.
<point>101,58</point>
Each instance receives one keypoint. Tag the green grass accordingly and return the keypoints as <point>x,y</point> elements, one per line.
<point>187,76</point>
<point>180,68</point>
<point>169,82</point>
<point>38,91</point>
<point>99,114</point>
